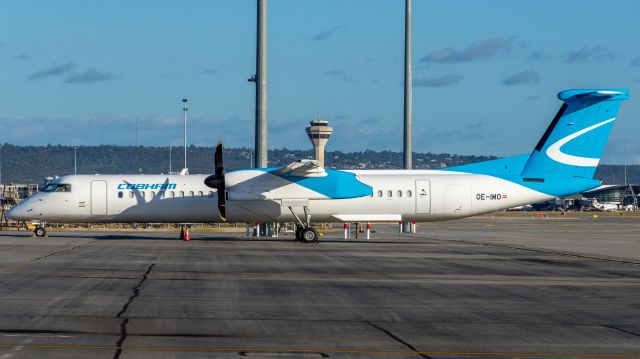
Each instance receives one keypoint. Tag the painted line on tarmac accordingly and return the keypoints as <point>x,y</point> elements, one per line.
<point>334,351</point>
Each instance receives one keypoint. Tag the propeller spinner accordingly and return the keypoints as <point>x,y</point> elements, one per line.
<point>216,181</point>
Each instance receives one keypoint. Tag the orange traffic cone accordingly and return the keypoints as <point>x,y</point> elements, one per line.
<point>182,233</point>
<point>187,237</point>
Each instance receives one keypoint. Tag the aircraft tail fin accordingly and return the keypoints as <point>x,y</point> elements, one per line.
<point>574,141</point>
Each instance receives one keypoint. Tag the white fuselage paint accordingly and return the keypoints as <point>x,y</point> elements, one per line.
<point>417,195</point>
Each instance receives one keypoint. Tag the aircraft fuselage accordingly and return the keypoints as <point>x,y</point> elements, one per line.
<point>395,195</point>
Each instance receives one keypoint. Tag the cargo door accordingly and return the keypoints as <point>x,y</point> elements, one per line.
<point>423,197</point>
<point>98,198</point>
<point>458,199</point>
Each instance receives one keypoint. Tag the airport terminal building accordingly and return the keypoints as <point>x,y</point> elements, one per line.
<point>626,196</point>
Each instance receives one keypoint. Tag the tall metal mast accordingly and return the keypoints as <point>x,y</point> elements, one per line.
<point>261,87</point>
<point>408,100</point>
<point>185,109</point>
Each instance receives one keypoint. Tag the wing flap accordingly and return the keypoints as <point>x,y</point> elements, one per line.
<point>368,217</point>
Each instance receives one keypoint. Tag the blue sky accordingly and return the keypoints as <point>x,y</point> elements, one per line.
<point>486,73</point>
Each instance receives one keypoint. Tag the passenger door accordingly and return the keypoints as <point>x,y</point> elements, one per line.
<point>99,198</point>
<point>423,197</point>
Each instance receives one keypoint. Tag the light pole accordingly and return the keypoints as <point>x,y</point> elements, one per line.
<point>408,83</point>
<point>185,109</point>
<point>408,98</point>
<point>261,87</point>
<point>0,164</point>
<point>75,160</point>
<point>170,148</point>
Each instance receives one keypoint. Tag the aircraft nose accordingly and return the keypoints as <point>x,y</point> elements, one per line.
<point>14,213</point>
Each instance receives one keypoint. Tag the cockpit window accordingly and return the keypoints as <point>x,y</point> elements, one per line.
<point>63,188</point>
<point>57,187</point>
<point>50,187</point>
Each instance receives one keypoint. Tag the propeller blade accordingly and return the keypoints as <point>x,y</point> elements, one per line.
<point>222,206</point>
<point>218,163</point>
<point>216,181</point>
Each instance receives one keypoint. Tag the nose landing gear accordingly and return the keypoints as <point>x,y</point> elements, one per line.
<point>40,231</point>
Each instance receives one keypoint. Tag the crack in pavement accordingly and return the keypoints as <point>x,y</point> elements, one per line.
<point>125,307</point>
<point>622,330</point>
<point>62,251</point>
<point>399,340</point>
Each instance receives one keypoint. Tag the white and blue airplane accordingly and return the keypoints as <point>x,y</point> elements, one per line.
<point>562,163</point>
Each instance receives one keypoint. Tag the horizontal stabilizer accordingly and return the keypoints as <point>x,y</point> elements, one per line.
<point>613,94</point>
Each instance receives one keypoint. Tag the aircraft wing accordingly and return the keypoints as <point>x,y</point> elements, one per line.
<point>304,179</point>
<point>302,168</point>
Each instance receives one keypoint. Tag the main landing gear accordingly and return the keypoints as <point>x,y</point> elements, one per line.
<point>305,233</point>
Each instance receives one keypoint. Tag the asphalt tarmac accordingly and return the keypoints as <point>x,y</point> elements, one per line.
<point>477,288</point>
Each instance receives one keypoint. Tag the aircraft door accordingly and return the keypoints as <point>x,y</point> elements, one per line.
<point>457,199</point>
<point>98,198</point>
<point>423,197</point>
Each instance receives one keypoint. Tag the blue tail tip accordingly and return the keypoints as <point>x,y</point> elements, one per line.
<point>608,94</point>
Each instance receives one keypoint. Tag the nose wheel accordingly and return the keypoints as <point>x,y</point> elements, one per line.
<point>40,231</point>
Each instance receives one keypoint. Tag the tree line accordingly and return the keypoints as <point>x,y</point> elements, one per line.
<point>31,164</point>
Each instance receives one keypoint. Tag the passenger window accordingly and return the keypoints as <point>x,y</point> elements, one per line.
<point>200,193</point>
<point>171,194</point>
<point>190,193</point>
<point>379,193</point>
<point>181,193</point>
<point>131,194</point>
<point>399,193</point>
<point>142,194</point>
<point>389,194</point>
<point>409,193</point>
<point>153,195</point>
<point>210,194</point>
<point>120,194</point>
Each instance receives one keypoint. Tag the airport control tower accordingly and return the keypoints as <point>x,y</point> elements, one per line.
<point>319,133</point>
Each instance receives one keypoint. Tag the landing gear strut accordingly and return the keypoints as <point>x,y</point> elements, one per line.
<point>304,231</point>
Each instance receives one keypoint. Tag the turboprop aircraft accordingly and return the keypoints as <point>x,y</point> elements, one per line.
<point>562,163</point>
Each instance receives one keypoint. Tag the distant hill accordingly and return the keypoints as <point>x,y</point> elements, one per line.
<point>30,164</point>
